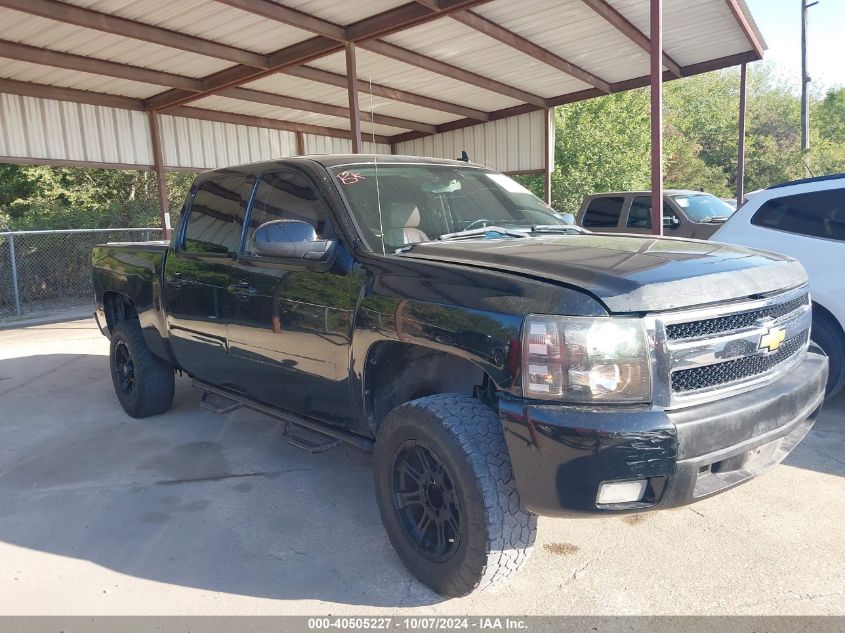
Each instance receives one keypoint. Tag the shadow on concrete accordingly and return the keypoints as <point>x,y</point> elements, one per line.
<point>823,450</point>
<point>220,503</point>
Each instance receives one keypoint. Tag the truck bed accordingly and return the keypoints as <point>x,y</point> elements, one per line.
<point>134,270</point>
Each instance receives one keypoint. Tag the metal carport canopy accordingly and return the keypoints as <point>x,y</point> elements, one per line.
<point>100,82</point>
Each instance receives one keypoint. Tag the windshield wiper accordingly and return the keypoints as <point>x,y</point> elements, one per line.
<point>557,228</point>
<point>460,235</point>
<point>716,218</point>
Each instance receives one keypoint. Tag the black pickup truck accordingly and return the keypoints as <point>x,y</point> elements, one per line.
<point>498,362</point>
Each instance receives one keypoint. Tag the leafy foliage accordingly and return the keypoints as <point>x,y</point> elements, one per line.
<point>43,197</point>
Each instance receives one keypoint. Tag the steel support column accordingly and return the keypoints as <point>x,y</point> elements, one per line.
<point>740,153</point>
<point>158,167</point>
<point>657,117</point>
<point>352,89</point>
<point>549,154</point>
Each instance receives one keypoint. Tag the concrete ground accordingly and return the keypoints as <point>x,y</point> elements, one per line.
<point>193,513</point>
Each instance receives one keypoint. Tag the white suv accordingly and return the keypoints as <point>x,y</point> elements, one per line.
<point>804,219</point>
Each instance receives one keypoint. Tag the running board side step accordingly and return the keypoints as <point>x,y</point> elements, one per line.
<point>318,442</point>
<point>218,404</point>
<point>334,434</point>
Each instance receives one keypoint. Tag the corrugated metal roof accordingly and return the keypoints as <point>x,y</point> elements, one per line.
<point>452,42</point>
<point>225,104</point>
<point>575,32</point>
<point>207,19</point>
<point>695,31</point>
<point>34,73</point>
<point>288,85</point>
<point>67,38</point>
<point>395,74</point>
<point>342,12</point>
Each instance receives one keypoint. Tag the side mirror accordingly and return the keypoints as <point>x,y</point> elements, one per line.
<point>670,221</point>
<point>291,239</point>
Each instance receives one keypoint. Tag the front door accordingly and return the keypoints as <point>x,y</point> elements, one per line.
<point>197,277</point>
<point>290,330</point>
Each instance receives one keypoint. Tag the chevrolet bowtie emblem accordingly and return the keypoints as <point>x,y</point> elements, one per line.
<point>772,339</point>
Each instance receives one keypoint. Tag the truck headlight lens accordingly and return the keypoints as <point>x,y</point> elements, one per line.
<point>586,359</point>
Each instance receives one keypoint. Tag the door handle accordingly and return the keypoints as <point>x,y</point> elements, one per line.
<point>177,280</point>
<point>242,288</point>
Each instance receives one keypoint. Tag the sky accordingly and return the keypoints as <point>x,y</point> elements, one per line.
<point>780,23</point>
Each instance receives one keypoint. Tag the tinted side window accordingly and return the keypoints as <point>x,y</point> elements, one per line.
<point>639,217</point>
<point>817,214</point>
<point>287,196</point>
<point>603,211</point>
<point>212,220</point>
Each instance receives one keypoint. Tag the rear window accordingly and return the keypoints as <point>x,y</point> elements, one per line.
<point>816,214</point>
<point>214,218</point>
<point>603,212</point>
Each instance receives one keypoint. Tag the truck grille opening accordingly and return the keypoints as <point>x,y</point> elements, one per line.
<point>719,325</point>
<point>709,376</point>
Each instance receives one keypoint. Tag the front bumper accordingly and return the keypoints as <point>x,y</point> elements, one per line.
<point>562,454</point>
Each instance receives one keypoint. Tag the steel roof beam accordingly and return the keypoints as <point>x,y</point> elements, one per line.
<point>747,28</point>
<point>281,101</point>
<point>624,26</point>
<point>333,79</point>
<point>291,17</point>
<point>509,38</point>
<point>42,91</point>
<point>45,57</point>
<point>27,89</point>
<point>590,93</point>
<point>448,70</point>
<point>87,18</point>
<point>256,121</point>
<point>401,17</point>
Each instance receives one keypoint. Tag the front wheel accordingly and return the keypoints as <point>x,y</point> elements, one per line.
<point>143,382</point>
<point>447,496</point>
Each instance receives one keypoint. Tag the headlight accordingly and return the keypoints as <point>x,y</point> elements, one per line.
<point>586,359</point>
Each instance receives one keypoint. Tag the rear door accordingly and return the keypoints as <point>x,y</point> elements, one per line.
<point>197,277</point>
<point>603,213</point>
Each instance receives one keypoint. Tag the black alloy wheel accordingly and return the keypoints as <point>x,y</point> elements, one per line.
<point>124,368</point>
<point>143,382</point>
<point>426,502</point>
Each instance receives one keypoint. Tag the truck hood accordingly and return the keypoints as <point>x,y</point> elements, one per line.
<point>628,273</point>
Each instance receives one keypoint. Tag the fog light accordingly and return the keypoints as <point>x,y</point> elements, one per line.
<point>622,491</point>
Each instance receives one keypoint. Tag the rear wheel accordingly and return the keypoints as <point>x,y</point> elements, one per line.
<point>143,382</point>
<point>447,496</point>
<point>829,337</point>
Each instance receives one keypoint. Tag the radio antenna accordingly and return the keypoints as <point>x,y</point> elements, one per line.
<point>375,162</point>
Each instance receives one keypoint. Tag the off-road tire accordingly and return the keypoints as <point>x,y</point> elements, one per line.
<point>154,379</point>
<point>827,336</point>
<point>496,533</point>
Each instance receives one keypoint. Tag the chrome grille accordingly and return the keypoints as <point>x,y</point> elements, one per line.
<point>738,369</point>
<point>705,327</point>
<point>705,354</point>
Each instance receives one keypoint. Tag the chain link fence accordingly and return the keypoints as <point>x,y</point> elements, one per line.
<point>43,271</point>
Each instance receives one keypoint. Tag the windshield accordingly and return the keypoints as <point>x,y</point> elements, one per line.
<point>701,207</point>
<point>420,203</point>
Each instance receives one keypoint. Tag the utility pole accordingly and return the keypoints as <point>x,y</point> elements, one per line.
<point>805,80</point>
